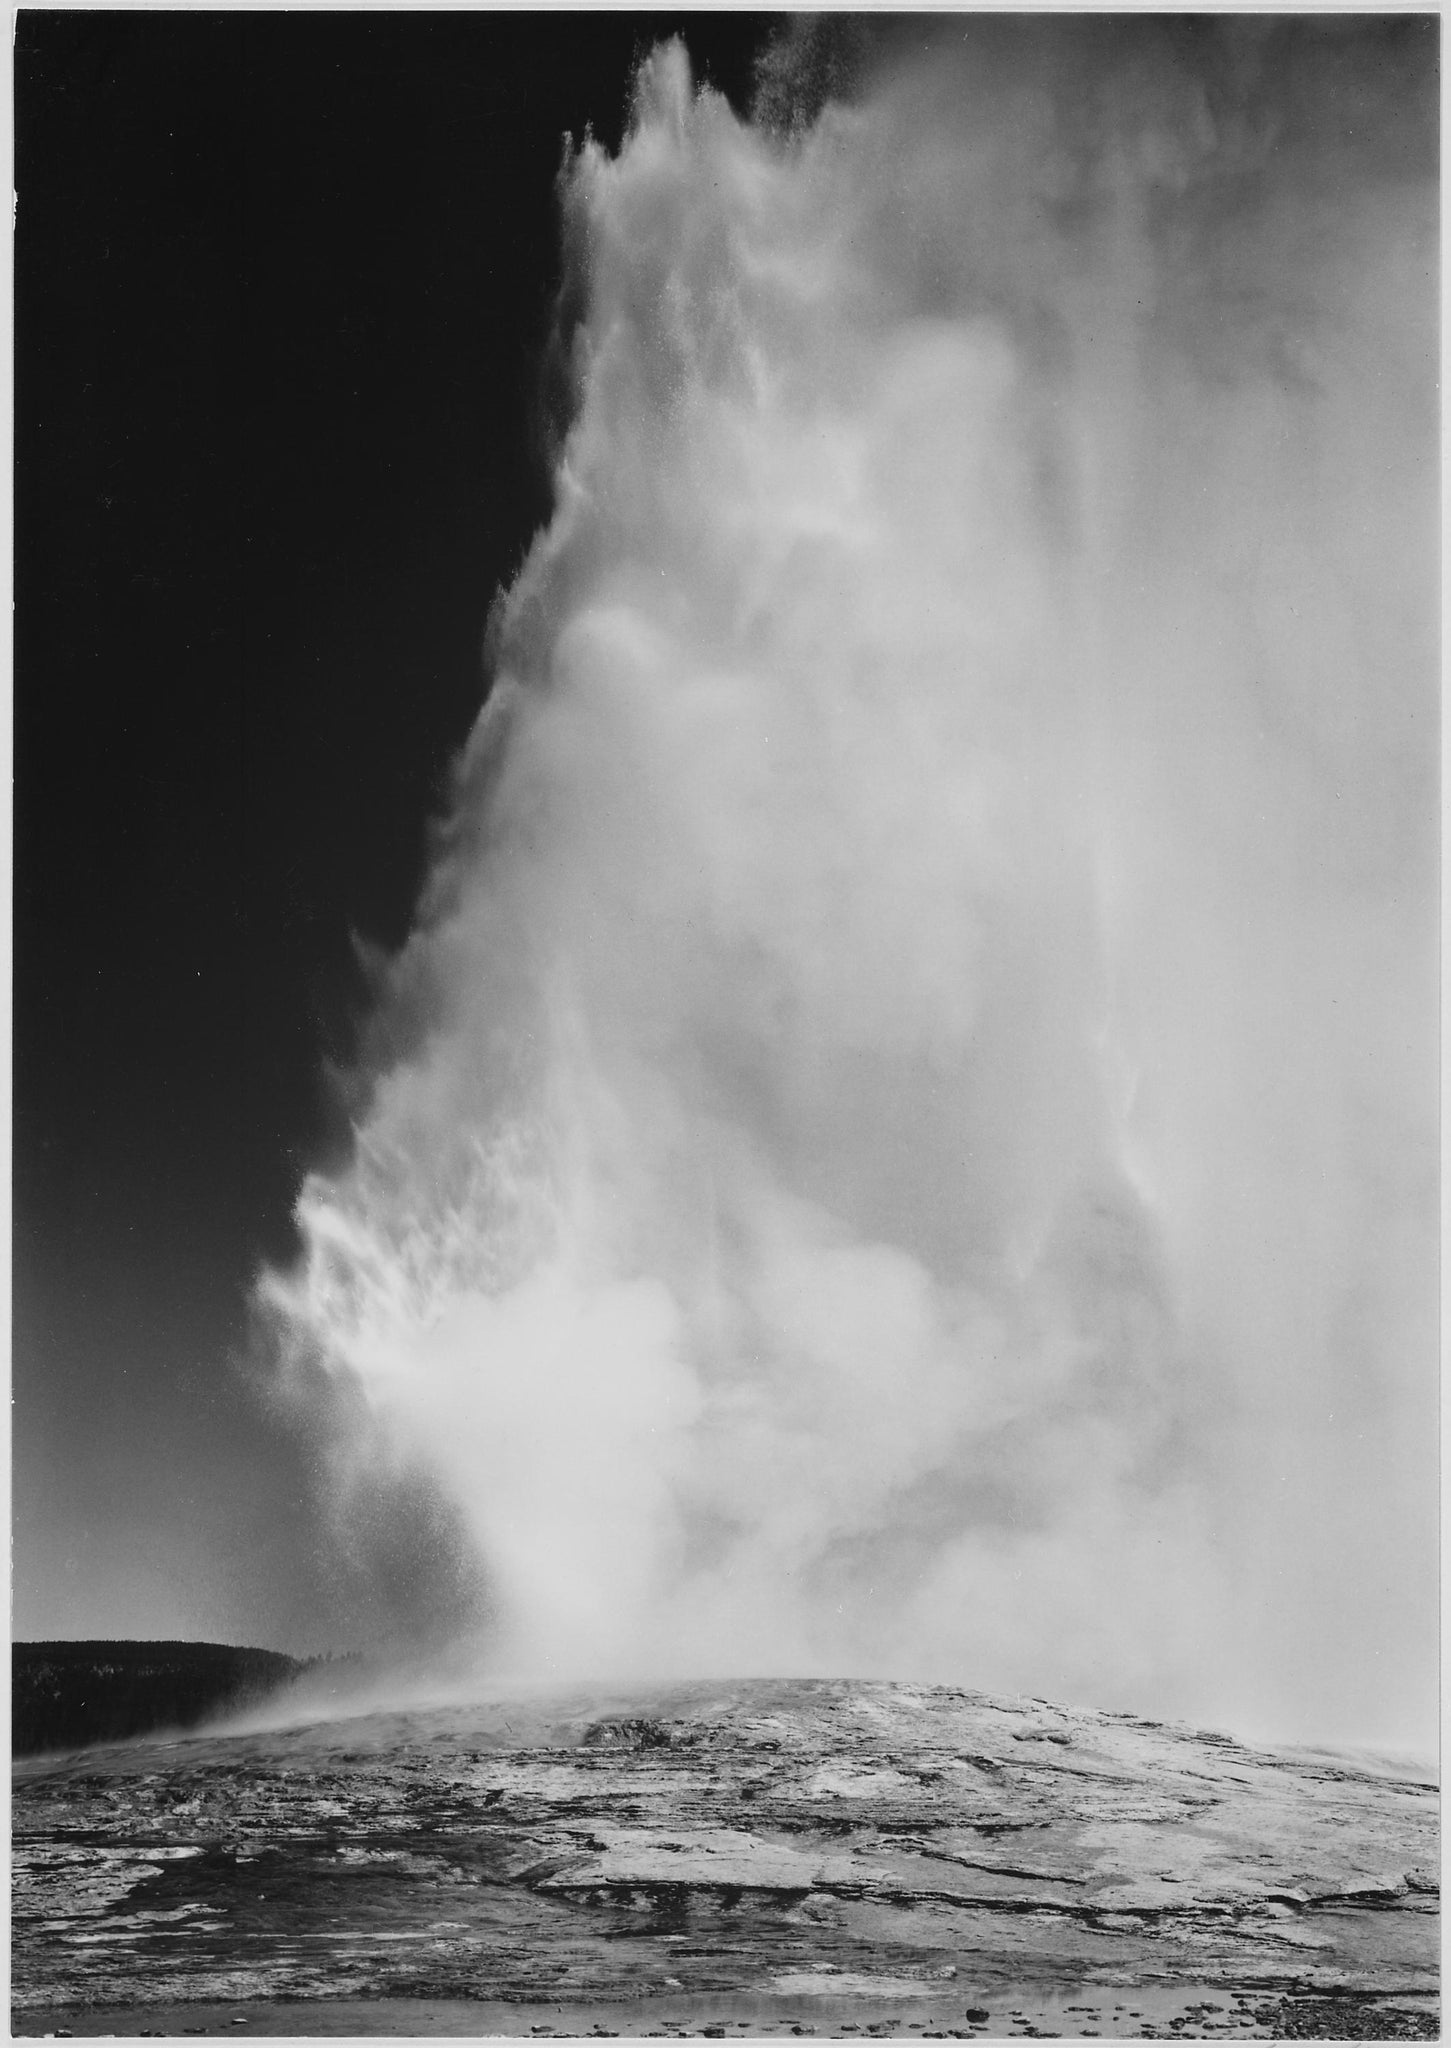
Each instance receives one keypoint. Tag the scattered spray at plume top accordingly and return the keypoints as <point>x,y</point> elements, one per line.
<point>914,1149</point>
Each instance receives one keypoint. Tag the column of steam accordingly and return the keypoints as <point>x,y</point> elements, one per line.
<point>884,700</point>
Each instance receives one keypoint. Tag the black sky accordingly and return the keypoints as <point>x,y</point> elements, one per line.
<point>283,284</point>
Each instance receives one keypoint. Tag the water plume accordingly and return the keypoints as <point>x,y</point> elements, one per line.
<point>907,1138</point>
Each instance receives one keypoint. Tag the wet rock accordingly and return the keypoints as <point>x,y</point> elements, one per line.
<point>774,1856</point>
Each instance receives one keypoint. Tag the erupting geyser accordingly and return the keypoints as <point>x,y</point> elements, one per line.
<point>907,1141</point>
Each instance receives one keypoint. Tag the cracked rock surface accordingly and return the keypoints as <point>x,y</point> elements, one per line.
<point>754,1856</point>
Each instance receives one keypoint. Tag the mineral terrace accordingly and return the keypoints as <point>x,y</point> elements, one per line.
<point>735,1858</point>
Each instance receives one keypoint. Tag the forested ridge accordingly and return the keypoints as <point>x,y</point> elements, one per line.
<point>65,1695</point>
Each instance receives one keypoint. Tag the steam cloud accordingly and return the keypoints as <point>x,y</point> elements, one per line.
<point>907,1141</point>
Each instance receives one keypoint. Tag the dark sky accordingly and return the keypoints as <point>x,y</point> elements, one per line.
<point>283,288</point>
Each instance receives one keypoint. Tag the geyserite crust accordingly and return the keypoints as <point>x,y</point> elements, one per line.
<point>782,1842</point>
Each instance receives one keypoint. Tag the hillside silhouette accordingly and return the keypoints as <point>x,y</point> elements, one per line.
<point>68,1695</point>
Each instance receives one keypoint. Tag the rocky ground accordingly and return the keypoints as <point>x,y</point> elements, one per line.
<point>736,1859</point>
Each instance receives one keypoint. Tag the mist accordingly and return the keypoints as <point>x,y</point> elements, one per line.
<point>903,1140</point>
